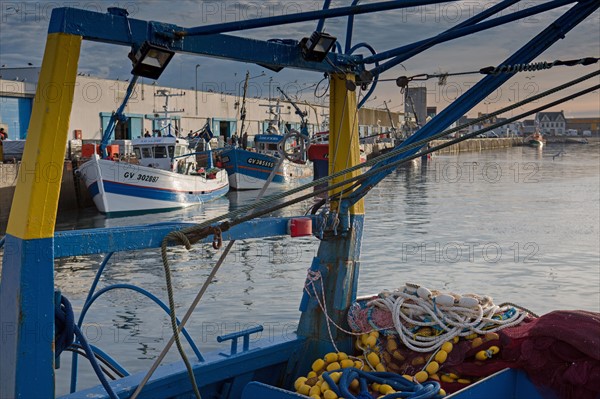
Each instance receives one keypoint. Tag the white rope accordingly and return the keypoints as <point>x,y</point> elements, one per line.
<point>409,311</point>
<point>311,278</point>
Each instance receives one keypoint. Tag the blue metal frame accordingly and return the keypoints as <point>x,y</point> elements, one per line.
<point>337,259</point>
<point>132,32</point>
<point>117,116</point>
<point>116,239</point>
<point>310,16</point>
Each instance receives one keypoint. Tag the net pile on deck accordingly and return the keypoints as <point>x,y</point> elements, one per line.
<point>431,335</point>
<point>459,339</point>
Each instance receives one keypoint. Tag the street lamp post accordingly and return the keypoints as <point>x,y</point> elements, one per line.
<point>196,92</point>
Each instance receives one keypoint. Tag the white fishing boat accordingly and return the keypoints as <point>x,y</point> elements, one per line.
<point>163,176</point>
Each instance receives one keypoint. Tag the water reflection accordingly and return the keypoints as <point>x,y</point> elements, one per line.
<point>528,234</point>
<point>416,210</point>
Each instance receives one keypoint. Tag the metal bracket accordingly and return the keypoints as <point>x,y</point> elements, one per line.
<point>234,340</point>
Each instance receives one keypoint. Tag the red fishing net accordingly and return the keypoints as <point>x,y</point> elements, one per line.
<point>560,350</point>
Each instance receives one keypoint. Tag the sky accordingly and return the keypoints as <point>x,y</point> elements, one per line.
<point>23,27</point>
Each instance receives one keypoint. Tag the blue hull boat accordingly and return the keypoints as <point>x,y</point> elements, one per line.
<point>326,357</point>
<point>250,170</point>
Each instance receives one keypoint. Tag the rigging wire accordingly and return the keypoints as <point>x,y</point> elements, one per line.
<point>201,230</point>
<point>110,368</point>
<point>81,352</point>
<point>361,178</point>
<point>325,78</point>
<point>403,81</point>
<point>183,239</point>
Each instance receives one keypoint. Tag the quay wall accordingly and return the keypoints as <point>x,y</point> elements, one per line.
<point>479,144</point>
<point>73,193</point>
<point>466,146</point>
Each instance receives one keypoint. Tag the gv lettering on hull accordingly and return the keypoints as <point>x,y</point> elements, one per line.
<point>260,162</point>
<point>140,177</point>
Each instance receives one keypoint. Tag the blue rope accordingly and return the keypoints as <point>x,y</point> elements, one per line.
<point>375,78</point>
<point>75,358</point>
<point>147,294</point>
<point>406,389</point>
<point>64,322</point>
<point>63,312</point>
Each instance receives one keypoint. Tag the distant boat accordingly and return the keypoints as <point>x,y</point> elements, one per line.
<point>536,140</point>
<point>167,177</point>
<point>576,141</point>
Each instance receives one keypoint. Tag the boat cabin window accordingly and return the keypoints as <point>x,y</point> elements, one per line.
<point>267,146</point>
<point>137,153</point>
<point>180,150</point>
<point>146,152</point>
<point>160,152</point>
<point>171,151</point>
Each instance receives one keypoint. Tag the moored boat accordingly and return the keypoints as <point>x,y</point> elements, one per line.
<point>164,176</point>
<point>250,170</point>
<point>536,140</point>
<point>275,158</point>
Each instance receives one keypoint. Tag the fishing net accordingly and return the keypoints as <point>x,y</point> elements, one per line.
<point>560,350</point>
<point>459,339</point>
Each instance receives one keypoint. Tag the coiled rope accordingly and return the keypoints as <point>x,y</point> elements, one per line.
<point>410,310</point>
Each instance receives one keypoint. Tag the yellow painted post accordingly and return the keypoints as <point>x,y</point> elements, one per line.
<point>33,213</point>
<point>344,150</point>
<point>27,284</point>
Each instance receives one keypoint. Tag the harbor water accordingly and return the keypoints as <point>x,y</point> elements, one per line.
<point>519,224</point>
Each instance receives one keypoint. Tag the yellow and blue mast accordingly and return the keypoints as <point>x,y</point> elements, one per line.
<point>27,285</point>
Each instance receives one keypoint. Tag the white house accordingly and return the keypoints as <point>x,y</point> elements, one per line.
<point>553,123</point>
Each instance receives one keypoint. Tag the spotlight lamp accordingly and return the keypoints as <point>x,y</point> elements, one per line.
<point>150,60</point>
<point>316,47</point>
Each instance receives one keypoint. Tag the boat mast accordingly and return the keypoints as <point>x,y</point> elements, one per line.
<point>299,112</point>
<point>389,113</point>
<point>337,260</point>
<point>165,109</point>
<point>243,107</point>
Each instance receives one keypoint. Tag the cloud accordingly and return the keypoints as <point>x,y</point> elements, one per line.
<point>24,27</point>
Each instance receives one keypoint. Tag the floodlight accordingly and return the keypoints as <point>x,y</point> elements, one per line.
<point>150,60</point>
<point>316,47</point>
